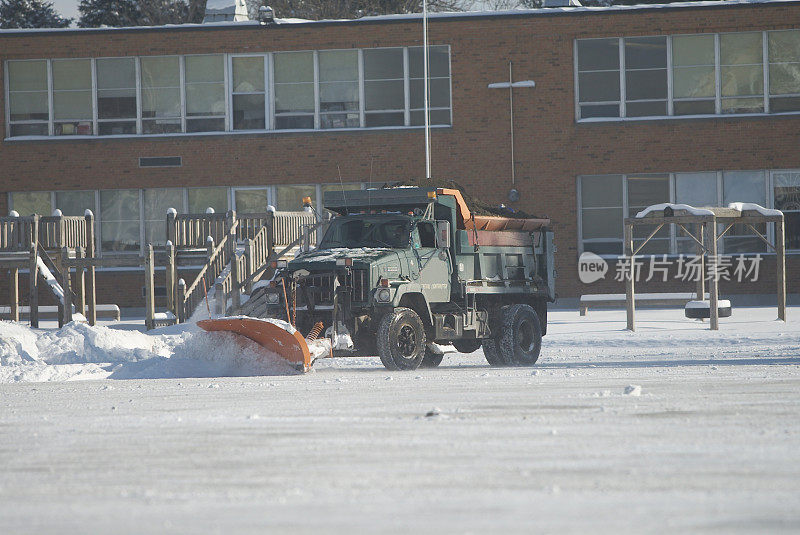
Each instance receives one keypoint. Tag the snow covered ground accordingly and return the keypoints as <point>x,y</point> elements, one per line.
<point>673,428</point>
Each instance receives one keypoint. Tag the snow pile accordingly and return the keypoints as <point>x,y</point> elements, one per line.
<point>743,206</point>
<point>79,351</point>
<point>660,208</point>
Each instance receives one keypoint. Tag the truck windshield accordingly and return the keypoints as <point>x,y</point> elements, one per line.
<point>347,232</point>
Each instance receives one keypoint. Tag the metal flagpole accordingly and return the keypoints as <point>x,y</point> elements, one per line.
<point>425,88</point>
<point>511,113</point>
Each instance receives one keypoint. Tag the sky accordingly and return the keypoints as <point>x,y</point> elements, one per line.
<point>67,8</point>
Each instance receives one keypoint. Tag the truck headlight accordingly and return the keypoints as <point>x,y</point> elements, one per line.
<point>273,298</point>
<point>383,295</point>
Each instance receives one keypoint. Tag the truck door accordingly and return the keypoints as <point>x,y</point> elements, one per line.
<point>433,264</point>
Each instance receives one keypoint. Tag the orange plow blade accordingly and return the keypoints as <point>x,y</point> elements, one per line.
<point>286,342</point>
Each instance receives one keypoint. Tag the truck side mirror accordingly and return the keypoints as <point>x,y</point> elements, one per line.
<point>443,234</point>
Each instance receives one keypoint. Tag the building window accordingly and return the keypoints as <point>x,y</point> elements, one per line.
<point>250,200</point>
<point>119,221</point>
<point>598,77</point>
<point>205,93</point>
<point>741,72</point>
<point>200,199</point>
<point>72,97</point>
<point>743,186</point>
<point>156,204</point>
<point>710,74</point>
<point>438,85</point>
<point>604,198</point>
<point>31,202</point>
<point>784,70</point>
<point>693,75</point>
<point>645,76</point>
<point>249,93</point>
<point>116,96</point>
<point>787,200</point>
<point>161,95</point>
<point>384,87</point>
<point>28,98</point>
<point>338,89</point>
<point>294,90</point>
<point>601,214</point>
<point>75,203</point>
<point>290,198</point>
<point>158,95</point>
<point>644,191</point>
<point>694,189</point>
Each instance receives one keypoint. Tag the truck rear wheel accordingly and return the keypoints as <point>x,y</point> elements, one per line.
<point>431,359</point>
<point>401,340</point>
<point>491,352</point>
<point>521,339</point>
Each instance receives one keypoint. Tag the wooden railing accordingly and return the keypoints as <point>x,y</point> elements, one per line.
<point>187,231</point>
<point>56,232</point>
<point>247,266</point>
<point>51,232</point>
<point>18,233</point>
<point>188,297</point>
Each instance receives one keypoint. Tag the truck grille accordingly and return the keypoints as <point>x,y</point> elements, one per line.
<point>320,287</point>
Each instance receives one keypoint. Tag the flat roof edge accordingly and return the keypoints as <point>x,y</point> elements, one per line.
<point>404,18</point>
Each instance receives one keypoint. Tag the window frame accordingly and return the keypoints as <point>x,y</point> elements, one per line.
<point>268,103</point>
<point>767,175</point>
<point>137,119</point>
<point>181,97</point>
<point>7,97</point>
<point>269,92</point>
<point>718,98</point>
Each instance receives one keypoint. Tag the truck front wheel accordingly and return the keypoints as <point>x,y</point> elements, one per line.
<point>520,342</point>
<point>401,340</point>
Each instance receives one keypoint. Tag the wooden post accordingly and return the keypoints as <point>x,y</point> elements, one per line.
<point>66,286</point>
<point>248,253</point>
<point>701,252</point>
<point>780,263</point>
<point>14,286</point>
<point>170,274</point>
<point>236,283</point>
<point>714,282</point>
<point>91,252</point>
<point>180,303</point>
<point>33,286</point>
<point>80,283</point>
<point>172,229</point>
<point>630,300</point>
<point>149,294</point>
<point>220,299</point>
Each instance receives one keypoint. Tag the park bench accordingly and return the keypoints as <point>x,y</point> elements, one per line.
<point>642,299</point>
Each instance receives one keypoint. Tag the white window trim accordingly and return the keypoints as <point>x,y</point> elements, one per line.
<point>670,98</point>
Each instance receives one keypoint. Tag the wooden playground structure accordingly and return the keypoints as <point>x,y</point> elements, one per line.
<point>704,224</point>
<point>224,253</point>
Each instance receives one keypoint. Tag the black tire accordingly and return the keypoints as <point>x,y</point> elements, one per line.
<point>467,345</point>
<point>491,352</point>
<point>401,340</point>
<point>431,359</point>
<point>521,338</point>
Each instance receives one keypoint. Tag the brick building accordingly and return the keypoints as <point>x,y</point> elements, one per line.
<point>692,103</point>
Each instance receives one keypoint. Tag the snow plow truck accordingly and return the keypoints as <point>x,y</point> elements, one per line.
<point>401,272</point>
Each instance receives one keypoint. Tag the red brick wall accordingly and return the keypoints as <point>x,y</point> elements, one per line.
<point>551,148</point>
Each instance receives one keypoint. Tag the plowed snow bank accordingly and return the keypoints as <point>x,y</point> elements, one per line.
<point>79,351</point>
